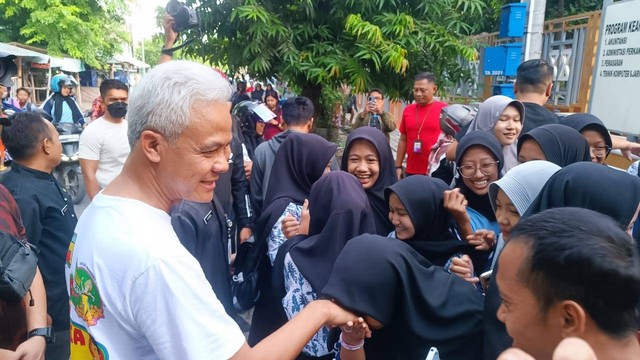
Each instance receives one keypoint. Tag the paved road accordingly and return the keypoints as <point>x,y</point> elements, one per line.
<point>83,205</point>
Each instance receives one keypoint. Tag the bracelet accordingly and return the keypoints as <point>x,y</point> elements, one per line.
<point>351,347</point>
<point>165,51</point>
<point>399,167</point>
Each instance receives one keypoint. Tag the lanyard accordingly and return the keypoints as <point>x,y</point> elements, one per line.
<point>424,118</point>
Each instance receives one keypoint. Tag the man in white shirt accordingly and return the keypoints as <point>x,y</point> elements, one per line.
<point>135,291</point>
<point>103,145</point>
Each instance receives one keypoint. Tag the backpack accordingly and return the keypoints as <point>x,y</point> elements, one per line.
<point>18,264</point>
<point>245,286</point>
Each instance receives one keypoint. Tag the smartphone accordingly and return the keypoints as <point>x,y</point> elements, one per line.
<point>484,279</point>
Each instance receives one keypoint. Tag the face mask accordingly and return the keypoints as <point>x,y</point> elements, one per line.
<point>117,109</point>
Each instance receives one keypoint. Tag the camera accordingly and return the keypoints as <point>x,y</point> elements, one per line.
<point>372,99</point>
<point>185,18</point>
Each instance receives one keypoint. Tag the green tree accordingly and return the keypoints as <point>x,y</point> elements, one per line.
<point>319,43</point>
<point>90,30</point>
<point>554,9</point>
<point>152,49</point>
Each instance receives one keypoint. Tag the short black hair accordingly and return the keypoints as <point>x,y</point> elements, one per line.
<point>112,84</point>
<point>25,134</point>
<point>297,111</point>
<point>378,90</point>
<point>533,76</point>
<point>23,89</point>
<point>581,255</point>
<point>425,76</point>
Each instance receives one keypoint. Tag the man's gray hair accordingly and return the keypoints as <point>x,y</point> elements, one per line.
<point>165,97</point>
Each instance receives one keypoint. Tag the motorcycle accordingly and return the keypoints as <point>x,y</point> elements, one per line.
<point>69,173</point>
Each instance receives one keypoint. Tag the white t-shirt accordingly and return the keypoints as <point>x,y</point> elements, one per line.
<point>106,142</point>
<point>137,293</point>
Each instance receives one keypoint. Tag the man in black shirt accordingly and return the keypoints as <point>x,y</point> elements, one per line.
<point>534,81</point>
<point>46,209</point>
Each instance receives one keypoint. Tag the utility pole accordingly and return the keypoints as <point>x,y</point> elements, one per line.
<point>535,27</point>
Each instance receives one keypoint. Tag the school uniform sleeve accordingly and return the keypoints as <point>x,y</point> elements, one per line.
<point>300,294</point>
<point>276,237</point>
<point>183,319</point>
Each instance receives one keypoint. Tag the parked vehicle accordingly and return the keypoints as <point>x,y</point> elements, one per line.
<point>68,173</point>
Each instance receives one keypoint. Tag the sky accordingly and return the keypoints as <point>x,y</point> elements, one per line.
<point>143,20</point>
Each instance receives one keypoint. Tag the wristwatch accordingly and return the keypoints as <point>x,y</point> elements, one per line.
<point>47,332</point>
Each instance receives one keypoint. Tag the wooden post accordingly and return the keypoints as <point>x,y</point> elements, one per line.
<point>19,63</point>
<point>589,58</point>
<point>487,90</point>
<point>77,77</point>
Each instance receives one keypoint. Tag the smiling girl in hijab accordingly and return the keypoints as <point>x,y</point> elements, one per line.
<point>339,211</point>
<point>479,158</point>
<point>594,131</point>
<point>300,161</point>
<point>559,144</point>
<point>510,198</point>
<point>367,156</point>
<point>416,209</point>
<point>585,185</point>
<point>503,117</point>
<point>410,304</point>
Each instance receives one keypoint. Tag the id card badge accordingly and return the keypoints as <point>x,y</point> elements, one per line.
<point>417,146</point>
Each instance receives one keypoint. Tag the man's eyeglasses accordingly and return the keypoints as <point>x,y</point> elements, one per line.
<point>467,171</point>
<point>600,151</point>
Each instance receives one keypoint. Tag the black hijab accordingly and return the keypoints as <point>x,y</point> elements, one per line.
<point>423,198</point>
<point>582,122</point>
<point>591,186</point>
<point>386,177</point>
<point>299,162</point>
<point>339,211</point>
<point>479,203</point>
<point>583,184</point>
<point>561,144</point>
<point>420,305</point>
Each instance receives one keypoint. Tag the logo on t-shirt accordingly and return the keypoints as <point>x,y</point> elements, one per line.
<point>85,296</point>
<point>85,346</point>
<point>72,246</point>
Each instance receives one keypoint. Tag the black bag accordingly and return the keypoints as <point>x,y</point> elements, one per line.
<point>18,264</point>
<point>246,273</point>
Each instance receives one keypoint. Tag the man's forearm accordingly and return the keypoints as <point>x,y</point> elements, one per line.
<point>91,185</point>
<point>36,314</point>
<point>288,341</point>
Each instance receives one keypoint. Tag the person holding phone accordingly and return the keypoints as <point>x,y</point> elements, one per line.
<point>374,115</point>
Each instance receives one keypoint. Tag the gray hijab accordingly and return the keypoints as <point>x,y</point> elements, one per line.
<point>488,114</point>
<point>523,183</point>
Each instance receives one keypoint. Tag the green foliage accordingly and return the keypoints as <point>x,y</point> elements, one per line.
<point>561,8</point>
<point>90,30</point>
<point>554,9</point>
<point>315,44</point>
<point>152,48</point>
<point>330,98</point>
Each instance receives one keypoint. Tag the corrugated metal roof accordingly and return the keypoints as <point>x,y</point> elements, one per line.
<point>7,49</point>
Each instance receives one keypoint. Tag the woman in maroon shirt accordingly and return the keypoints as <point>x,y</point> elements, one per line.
<point>274,126</point>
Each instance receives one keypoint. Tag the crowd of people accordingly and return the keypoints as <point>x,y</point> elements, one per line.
<point>493,227</point>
